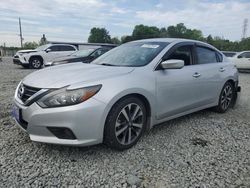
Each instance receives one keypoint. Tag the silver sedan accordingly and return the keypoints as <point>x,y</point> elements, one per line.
<point>124,92</point>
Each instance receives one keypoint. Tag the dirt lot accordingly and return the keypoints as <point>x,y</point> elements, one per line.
<point>204,149</point>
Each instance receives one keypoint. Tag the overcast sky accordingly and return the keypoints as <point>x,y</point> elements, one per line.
<point>71,20</point>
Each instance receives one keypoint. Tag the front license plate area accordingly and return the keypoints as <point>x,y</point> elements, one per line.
<point>16,113</point>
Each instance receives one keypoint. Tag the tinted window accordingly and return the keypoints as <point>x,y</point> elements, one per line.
<point>105,50</point>
<point>54,48</point>
<point>206,55</point>
<point>184,53</point>
<point>66,48</point>
<point>245,55</point>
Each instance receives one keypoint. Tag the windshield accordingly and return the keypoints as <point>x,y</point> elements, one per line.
<point>43,47</point>
<point>83,53</point>
<point>133,54</point>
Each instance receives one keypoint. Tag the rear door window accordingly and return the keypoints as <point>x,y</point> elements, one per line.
<point>206,55</point>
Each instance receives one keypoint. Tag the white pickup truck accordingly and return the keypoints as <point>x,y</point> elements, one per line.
<point>42,55</point>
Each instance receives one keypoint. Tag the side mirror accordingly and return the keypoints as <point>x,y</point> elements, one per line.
<point>48,50</point>
<point>240,56</point>
<point>172,64</point>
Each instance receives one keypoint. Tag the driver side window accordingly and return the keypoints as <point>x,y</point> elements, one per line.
<point>54,48</point>
<point>182,53</point>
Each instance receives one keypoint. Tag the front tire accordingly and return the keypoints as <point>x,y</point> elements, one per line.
<point>36,62</point>
<point>227,98</point>
<point>125,123</point>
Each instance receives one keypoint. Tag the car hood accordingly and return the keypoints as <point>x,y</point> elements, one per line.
<point>68,74</point>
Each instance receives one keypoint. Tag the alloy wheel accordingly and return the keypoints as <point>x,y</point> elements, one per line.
<point>129,124</point>
<point>36,63</point>
<point>226,97</point>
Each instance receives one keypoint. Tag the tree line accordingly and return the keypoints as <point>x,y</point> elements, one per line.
<point>101,35</point>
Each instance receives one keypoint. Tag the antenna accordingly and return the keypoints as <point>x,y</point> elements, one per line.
<point>244,28</point>
<point>21,34</point>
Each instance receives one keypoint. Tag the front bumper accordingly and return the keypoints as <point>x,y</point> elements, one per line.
<point>20,61</point>
<point>85,120</point>
<point>17,61</point>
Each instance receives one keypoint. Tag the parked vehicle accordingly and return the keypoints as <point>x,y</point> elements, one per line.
<point>84,56</point>
<point>85,45</point>
<point>229,53</point>
<point>125,91</point>
<point>242,60</point>
<point>37,58</point>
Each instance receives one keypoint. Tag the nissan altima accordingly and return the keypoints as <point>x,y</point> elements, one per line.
<point>124,92</point>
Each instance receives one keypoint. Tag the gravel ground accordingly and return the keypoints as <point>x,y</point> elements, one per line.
<point>204,149</point>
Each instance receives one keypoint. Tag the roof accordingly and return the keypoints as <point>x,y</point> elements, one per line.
<point>170,40</point>
<point>83,43</point>
<point>173,40</point>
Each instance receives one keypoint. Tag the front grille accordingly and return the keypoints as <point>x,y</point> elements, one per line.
<point>25,92</point>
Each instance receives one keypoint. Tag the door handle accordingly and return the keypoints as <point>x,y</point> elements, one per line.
<point>196,75</point>
<point>222,69</point>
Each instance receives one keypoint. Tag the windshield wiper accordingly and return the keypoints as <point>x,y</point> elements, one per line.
<point>107,64</point>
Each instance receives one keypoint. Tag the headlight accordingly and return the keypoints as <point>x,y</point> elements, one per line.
<point>64,97</point>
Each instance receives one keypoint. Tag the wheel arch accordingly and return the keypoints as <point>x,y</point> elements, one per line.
<point>137,95</point>
<point>233,82</point>
<point>235,85</point>
<point>144,98</point>
<point>36,56</point>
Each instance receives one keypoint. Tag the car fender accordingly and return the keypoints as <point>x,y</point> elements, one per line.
<point>35,55</point>
<point>125,93</point>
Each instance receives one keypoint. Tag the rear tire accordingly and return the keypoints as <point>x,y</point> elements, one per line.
<point>36,62</point>
<point>125,123</point>
<point>227,98</point>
